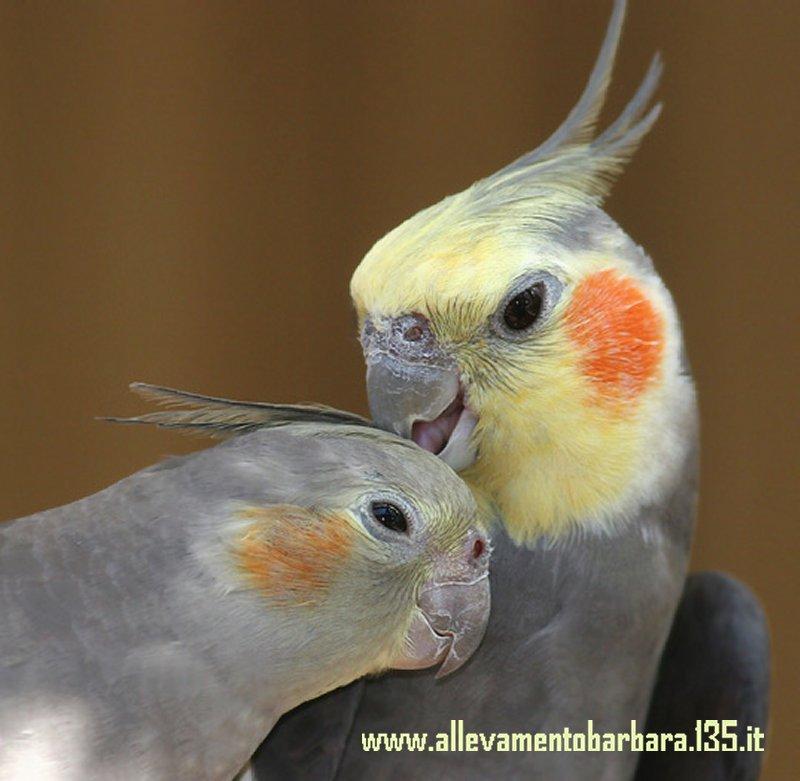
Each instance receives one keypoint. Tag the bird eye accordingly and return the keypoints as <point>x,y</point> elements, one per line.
<point>523,310</point>
<point>390,516</point>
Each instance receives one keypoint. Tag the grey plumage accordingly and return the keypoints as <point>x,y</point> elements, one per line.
<point>216,417</point>
<point>552,659</point>
<point>716,666</point>
<point>584,592</point>
<point>573,157</point>
<point>134,645</point>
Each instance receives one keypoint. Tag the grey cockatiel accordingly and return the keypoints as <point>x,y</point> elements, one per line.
<point>157,629</point>
<point>516,330</point>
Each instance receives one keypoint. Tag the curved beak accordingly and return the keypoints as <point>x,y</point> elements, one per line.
<point>414,390</point>
<point>452,610</point>
<point>448,625</point>
<point>401,393</point>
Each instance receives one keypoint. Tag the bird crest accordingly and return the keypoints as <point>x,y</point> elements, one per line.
<point>572,170</point>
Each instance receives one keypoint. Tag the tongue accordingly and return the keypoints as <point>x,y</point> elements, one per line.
<point>433,435</point>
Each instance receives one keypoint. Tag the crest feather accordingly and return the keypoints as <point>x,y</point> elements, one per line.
<point>574,160</point>
<point>218,417</point>
<point>572,171</point>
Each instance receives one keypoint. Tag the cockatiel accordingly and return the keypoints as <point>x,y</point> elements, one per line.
<point>518,332</point>
<point>157,629</point>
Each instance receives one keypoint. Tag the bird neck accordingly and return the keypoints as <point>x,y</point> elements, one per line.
<point>553,465</point>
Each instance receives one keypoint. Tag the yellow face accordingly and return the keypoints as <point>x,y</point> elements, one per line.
<point>566,357</point>
<point>579,392</point>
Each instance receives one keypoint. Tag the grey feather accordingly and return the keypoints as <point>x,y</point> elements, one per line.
<point>635,108</point>
<point>553,657</point>
<point>573,160</point>
<point>578,623</point>
<point>132,646</point>
<point>581,120</point>
<point>716,665</point>
<point>217,417</point>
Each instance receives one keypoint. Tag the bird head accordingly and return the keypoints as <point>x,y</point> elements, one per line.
<point>345,549</point>
<point>516,330</point>
<point>376,557</point>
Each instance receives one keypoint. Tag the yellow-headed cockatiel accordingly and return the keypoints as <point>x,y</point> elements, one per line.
<point>518,332</point>
<point>158,629</point>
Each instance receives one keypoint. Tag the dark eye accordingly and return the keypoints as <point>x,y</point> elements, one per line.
<point>523,310</point>
<point>390,516</point>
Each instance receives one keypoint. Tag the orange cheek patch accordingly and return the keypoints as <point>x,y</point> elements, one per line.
<point>619,332</point>
<point>291,554</point>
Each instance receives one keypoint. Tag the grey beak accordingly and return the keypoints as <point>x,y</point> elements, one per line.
<point>452,610</point>
<point>460,610</point>
<point>400,392</point>
<point>411,379</point>
<point>448,625</point>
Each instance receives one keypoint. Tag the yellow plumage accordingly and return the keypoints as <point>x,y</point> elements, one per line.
<point>552,454</point>
<point>549,454</point>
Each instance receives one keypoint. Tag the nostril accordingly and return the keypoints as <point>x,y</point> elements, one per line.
<point>413,333</point>
<point>478,548</point>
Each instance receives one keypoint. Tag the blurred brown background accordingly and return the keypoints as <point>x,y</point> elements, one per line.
<point>185,189</point>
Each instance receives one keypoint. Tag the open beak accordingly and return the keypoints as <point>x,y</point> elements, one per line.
<point>414,390</point>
